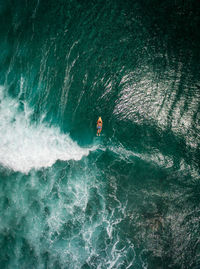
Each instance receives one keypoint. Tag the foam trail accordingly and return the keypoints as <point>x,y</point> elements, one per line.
<point>25,146</point>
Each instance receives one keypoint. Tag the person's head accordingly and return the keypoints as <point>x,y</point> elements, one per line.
<point>100,120</point>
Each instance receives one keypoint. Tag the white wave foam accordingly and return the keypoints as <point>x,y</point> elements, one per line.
<point>24,146</point>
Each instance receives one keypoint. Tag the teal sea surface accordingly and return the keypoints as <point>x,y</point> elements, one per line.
<point>131,197</point>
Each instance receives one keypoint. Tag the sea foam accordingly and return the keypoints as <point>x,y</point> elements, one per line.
<point>25,146</point>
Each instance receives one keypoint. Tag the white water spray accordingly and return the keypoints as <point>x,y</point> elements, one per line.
<point>24,146</point>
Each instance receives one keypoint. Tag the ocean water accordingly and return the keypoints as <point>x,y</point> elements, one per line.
<point>131,197</point>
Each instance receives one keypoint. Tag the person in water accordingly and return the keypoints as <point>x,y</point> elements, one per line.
<point>99,126</point>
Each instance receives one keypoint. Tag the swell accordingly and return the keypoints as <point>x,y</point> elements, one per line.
<point>62,90</point>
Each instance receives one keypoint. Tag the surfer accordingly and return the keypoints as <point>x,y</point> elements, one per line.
<point>99,126</point>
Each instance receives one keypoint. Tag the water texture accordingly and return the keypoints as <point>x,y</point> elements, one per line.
<point>131,197</point>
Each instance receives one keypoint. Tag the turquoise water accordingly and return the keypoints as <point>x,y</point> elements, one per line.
<point>127,199</point>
